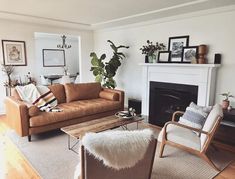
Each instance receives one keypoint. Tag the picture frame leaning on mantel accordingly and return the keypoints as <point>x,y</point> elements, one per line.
<point>175,45</point>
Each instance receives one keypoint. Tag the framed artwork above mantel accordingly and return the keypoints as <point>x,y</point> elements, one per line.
<point>53,58</point>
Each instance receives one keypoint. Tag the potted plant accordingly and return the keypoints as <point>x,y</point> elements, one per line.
<point>150,50</point>
<point>226,102</point>
<point>104,72</point>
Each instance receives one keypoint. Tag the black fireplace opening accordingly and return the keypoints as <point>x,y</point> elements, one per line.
<point>166,98</point>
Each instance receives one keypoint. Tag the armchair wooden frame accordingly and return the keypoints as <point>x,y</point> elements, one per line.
<point>202,152</point>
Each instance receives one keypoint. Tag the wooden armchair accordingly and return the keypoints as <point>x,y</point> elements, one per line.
<point>184,137</point>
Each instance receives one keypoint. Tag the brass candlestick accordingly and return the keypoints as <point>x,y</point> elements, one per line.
<point>202,51</point>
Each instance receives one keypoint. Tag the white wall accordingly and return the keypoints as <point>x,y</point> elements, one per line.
<point>12,30</point>
<point>50,41</point>
<point>215,30</point>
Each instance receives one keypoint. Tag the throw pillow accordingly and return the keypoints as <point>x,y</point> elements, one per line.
<point>195,116</point>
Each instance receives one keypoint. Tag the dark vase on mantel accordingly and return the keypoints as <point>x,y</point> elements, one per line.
<point>146,59</point>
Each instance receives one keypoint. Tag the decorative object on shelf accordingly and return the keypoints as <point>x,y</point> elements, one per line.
<point>202,51</point>
<point>164,57</point>
<point>176,45</point>
<point>53,58</point>
<point>226,102</point>
<point>14,53</point>
<point>8,70</point>
<point>64,45</point>
<point>104,72</point>
<point>126,114</point>
<point>150,50</point>
<point>217,59</point>
<point>189,54</point>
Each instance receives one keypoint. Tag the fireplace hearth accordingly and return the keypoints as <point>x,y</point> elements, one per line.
<point>166,98</point>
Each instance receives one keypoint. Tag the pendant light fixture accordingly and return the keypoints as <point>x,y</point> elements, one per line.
<point>64,45</point>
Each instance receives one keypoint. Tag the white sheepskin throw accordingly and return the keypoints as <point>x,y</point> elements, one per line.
<point>118,149</point>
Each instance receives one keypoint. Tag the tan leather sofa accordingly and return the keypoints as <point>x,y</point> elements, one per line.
<point>79,102</point>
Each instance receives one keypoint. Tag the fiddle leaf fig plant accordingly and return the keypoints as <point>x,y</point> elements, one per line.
<point>104,71</point>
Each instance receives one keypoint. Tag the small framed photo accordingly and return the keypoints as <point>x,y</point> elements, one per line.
<point>14,52</point>
<point>190,54</point>
<point>53,58</point>
<point>176,45</point>
<point>164,57</point>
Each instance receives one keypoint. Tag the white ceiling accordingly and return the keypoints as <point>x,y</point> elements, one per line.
<point>101,13</point>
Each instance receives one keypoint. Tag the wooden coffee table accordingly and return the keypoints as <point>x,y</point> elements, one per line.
<point>77,131</point>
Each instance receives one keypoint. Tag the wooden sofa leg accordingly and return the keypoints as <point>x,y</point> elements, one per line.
<point>209,162</point>
<point>29,138</point>
<point>162,146</point>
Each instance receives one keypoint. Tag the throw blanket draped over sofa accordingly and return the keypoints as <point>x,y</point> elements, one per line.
<point>78,102</point>
<point>40,96</point>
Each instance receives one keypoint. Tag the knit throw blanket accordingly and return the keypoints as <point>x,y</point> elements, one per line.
<point>40,96</point>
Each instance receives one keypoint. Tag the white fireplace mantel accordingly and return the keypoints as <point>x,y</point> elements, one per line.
<point>201,75</point>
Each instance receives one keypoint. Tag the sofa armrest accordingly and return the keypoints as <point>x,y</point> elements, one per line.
<point>120,93</point>
<point>17,115</point>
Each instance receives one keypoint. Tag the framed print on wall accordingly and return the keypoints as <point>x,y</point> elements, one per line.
<point>14,52</point>
<point>189,54</point>
<point>53,58</point>
<point>176,45</point>
<point>164,57</point>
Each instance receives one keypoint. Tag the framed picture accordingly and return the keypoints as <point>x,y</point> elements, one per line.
<point>53,58</point>
<point>176,45</point>
<point>189,54</point>
<point>14,53</point>
<point>164,57</point>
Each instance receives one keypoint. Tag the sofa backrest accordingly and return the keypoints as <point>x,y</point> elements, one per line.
<point>81,91</point>
<point>59,92</point>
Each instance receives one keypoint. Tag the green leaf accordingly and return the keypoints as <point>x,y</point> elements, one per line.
<point>95,62</point>
<point>103,56</point>
<point>98,78</point>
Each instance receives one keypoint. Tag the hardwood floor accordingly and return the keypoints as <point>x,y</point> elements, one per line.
<point>13,165</point>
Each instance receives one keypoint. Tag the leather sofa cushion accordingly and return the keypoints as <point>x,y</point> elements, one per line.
<point>74,110</point>
<point>59,92</point>
<point>109,95</point>
<point>82,91</point>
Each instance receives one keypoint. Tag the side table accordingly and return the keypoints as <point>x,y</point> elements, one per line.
<point>226,131</point>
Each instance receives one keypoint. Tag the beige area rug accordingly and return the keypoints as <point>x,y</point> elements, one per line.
<point>49,155</point>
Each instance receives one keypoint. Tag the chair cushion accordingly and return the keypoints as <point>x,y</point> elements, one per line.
<point>195,116</point>
<point>181,136</point>
<point>59,92</point>
<point>210,121</point>
<point>81,91</point>
<point>74,110</point>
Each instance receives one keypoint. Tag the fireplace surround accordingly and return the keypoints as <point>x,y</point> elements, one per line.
<point>201,75</point>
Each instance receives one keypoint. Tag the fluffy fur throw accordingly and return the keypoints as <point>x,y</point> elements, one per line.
<point>118,149</point>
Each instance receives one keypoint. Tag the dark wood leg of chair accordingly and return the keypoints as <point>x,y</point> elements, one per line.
<point>162,146</point>
<point>209,162</point>
<point>29,138</point>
